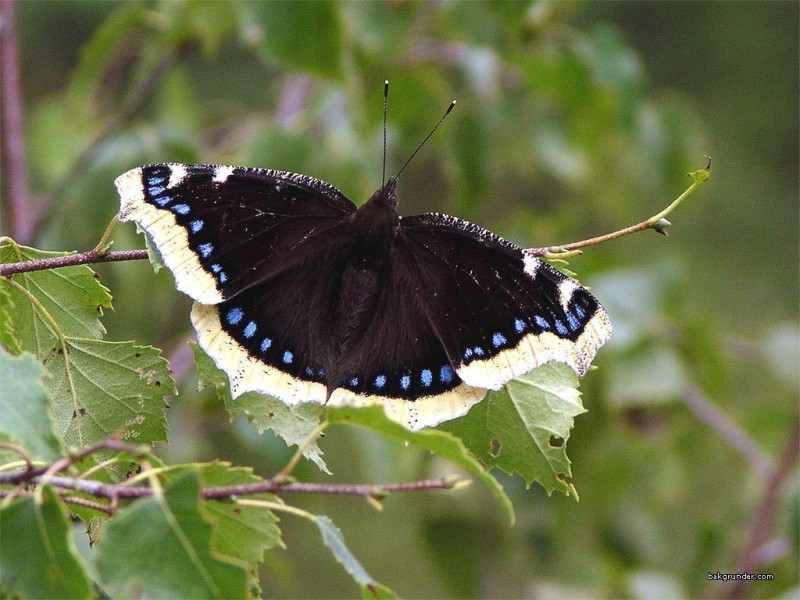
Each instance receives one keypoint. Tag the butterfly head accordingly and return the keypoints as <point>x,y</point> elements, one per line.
<point>378,216</point>
<point>386,196</point>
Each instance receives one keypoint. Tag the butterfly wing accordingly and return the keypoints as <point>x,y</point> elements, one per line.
<point>219,229</point>
<point>499,311</point>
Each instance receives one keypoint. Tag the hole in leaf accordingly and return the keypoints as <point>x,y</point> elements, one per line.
<point>556,441</point>
<point>496,447</point>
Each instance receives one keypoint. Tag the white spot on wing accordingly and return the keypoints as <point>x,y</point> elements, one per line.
<point>176,175</point>
<point>532,264</point>
<point>221,174</point>
<point>565,290</point>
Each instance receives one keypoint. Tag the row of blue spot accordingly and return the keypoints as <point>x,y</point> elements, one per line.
<point>156,186</point>
<point>235,316</point>
<point>446,376</point>
<point>574,322</point>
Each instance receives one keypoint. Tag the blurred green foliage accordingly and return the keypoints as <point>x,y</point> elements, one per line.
<point>572,120</point>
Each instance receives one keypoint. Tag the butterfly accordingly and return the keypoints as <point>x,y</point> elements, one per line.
<point>303,296</point>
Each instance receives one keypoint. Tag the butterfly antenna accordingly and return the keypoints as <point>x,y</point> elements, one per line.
<point>427,137</point>
<point>385,104</point>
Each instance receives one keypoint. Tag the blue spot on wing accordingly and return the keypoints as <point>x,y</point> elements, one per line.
<point>478,351</point>
<point>205,250</point>
<point>405,382</point>
<point>427,377</point>
<point>181,209</point>
<point>234,316</point>
<point>579,311</point>
<point>162,201</point>
<point>265,344</point>
<point>288,357</point>
<point>196,225</point>
<point>250,330</point>
<point>561,328</point>
<point>446,374</point>
<point>573,321</point>
<point>519,325</point>
<point>380,381</point>
<point>541,322</point>
<point>498,339</point>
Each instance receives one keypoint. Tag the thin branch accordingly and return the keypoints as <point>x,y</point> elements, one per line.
<point>134,100</point>
<point>21,215</point>
<point>350,489</point>
<point>729,431</point>
<point>82,258</point>
<point>100,489</point>
<point>657,222</point>
<point>763,519</point>
<point>78,501</point>
<point>114,444</point>
<point>130,106</point>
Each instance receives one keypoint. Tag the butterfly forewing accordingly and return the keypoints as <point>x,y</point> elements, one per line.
<point>220,228</point>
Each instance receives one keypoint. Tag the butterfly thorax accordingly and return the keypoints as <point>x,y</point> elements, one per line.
<point>363,279</point>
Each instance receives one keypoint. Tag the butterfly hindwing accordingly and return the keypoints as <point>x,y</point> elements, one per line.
<point>499,311</point>
<point>219,228</point>
<point>283,337</point>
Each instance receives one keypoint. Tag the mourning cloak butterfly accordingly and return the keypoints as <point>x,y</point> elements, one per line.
<point>302,296</point>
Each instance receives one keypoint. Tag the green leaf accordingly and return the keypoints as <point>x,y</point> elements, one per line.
<point>335,542</point>
<point>37,559</point>
<point>525,427</point>
<point>440,443</point>
<point>8,337</point>
<point>25,407</point>
<point>241,533</point>
<point>73,297</point>
<point>108,388</point>
<point>303,35</point>
<point>160,547</point>
<point>291,423</point>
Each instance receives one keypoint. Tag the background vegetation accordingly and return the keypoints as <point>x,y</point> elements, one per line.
<point>572,120</point>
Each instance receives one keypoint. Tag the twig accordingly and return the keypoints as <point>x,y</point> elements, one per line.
<point>279,484</point>
<point>135,99</point>
<point>100,489</point>
<point>73,457</point>
<point>92,256</point>
<point>752,555</point>
<point>729,431</point>
<point>350,489</point>
<point>764,515</point>
<point>21,215</point>
<point>78,501</point>
<point>657,222</point>
<point>132,103</point>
